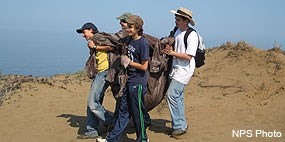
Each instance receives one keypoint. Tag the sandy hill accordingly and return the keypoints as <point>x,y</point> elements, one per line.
<point>240,87</point>
<point>243,70</point>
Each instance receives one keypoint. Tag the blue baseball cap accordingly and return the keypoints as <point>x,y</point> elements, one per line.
<point>87,26</point>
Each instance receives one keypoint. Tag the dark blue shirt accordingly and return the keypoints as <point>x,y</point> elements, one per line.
<point>138,51</point>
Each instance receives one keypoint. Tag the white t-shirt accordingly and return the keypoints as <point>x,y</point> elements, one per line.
<point>182,70</point>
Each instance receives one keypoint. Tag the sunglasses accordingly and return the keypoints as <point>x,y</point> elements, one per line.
<point>123,21</point>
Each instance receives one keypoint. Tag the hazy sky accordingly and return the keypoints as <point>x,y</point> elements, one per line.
<point>260,22</point>
<point>33,31</point>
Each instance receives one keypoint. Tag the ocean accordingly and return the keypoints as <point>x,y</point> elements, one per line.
<point>46,53</point>
<point>42,55</point>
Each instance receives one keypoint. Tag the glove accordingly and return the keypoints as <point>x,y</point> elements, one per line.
<point>125,61</point>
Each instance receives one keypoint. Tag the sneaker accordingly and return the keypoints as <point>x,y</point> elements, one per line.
<point>168,132</point>
<point>88,135</point>
<point>101,140</point>
<point>147,140</point>
<point>178,132</point>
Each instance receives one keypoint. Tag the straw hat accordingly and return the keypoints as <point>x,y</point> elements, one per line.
<point>185,13</point>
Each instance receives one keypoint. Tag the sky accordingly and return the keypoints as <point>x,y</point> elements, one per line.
<point>39,30</point>
<point>259,22</point>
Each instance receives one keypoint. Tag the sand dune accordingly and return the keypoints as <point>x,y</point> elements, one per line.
<point>240,87</point>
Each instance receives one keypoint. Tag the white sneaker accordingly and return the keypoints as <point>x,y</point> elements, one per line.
<point>101,140</point>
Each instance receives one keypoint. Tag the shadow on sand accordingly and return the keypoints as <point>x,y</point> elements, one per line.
<point>158,126</point>
<point>76,122</point>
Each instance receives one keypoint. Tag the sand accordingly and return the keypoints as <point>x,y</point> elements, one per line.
<point>240,88</point>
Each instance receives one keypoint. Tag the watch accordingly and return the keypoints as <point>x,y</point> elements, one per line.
<point>94,47</point>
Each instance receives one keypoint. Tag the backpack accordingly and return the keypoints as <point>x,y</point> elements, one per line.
<point>200,52</point>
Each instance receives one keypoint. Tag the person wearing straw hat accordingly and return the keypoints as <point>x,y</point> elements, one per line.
<point>183,67</point>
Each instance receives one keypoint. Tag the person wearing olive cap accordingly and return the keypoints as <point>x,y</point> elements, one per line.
<point>132,102</point>
<point>95,109</point>
<point>123,32</point>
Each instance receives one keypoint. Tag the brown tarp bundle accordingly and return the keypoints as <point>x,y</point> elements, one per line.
<point>159,66</point>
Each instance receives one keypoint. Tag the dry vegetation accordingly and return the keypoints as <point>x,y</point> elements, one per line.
<point>240,87</point>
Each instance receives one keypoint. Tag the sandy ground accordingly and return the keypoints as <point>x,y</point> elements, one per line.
<point>240,88</point>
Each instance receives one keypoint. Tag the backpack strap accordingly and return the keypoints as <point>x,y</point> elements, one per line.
<point>189,30</point>
<point>198,41</point>
<point>173,32</point>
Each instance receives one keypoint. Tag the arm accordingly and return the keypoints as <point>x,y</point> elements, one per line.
<point>91,45</point>
<point>168,50</point>
<point>144,57</point>
<point>126,61</point>
<point>192,41</point>
<point>104,48</point>
<point>139,66</point>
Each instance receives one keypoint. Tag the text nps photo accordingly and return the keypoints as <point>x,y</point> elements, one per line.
<point>256,133</point>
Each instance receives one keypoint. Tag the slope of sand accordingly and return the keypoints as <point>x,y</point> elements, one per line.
<point>240,87</point>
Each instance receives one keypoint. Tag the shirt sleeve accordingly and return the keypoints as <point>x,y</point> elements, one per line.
<point>192,43</point>
<point>145,50</point>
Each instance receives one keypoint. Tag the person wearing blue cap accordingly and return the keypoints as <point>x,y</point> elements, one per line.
<point>95,109</point>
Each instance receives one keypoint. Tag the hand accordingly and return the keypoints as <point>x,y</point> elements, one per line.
<point>168,49</point>
<point>91,44</point>
<point>125,61</point>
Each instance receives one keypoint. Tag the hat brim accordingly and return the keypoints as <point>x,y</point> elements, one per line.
<point>79,30</point>
<point>192,22</point>
<point>119,18</point>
